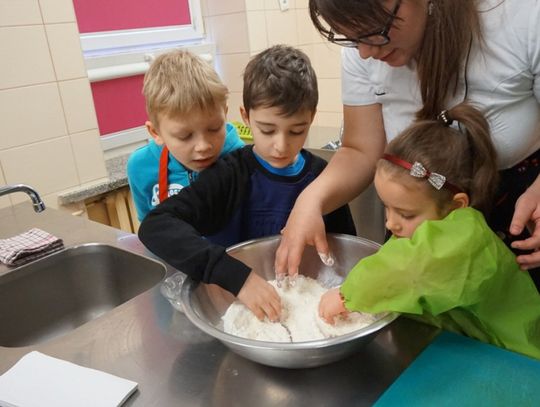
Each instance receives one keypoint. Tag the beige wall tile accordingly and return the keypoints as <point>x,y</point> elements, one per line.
<point>31,114</point>
<point>281,27</point>
<point>78,105</point>
<point>320,136</point>
<point>29,58</point>
<point>47,166</point>
<point>230,68</point>
<point>330,95</point>
<point>271,4</point>
<point>302,4</point>
<point>219,7</point>
<point>327,60</point>
<point>19,12</point>
<point>88,155</point>
<point>308,50</point>
<point>4,200</point>
<point>230,33</point>
<point>50,201</point>
<point>329,119</point>
<point>307,34</point>
<point>235,101</point>
<point>274,4</point>
<point>57,11</point>
<point>65,46</point>
<point>257,31</point>
<point>254,5</point>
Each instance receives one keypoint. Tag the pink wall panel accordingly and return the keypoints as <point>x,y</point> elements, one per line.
<point>109,15</point>
<point>119,104</point>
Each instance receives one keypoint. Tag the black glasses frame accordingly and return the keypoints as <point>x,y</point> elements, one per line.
<point>368,39</point>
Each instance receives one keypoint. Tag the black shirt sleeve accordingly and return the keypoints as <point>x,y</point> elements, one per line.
<point>174,230</point>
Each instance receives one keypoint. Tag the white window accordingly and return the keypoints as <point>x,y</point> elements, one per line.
<point>102,24</point>
<point>119,39</point>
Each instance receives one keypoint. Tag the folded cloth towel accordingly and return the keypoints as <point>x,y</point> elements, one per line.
<point>18,250</point>
<point>39,380</point>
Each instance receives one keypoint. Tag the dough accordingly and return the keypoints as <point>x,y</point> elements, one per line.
<point>300,319</point>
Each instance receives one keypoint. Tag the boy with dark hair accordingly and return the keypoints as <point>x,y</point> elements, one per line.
<point>249,193</point>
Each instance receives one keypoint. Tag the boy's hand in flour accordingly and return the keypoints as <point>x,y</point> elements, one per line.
<point>331,305</point>
<point>260,297</point>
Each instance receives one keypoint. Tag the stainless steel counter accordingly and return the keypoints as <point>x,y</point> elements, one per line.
<point>175,364</point>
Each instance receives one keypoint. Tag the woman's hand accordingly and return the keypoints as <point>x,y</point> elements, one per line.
<point>347,174</point>
<point>527,213</point>
<point>331,305</point>
<point>305,226</point>
<point>260,297</point>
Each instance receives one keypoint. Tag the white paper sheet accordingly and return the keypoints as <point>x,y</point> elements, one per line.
<point>41,380</point>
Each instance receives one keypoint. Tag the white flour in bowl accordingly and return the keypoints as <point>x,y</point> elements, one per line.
<point>300,319</point>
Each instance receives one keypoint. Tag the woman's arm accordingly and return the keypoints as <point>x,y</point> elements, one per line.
<point>348,173</point>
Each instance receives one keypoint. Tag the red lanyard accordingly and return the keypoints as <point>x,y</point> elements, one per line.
<point>163,174</point>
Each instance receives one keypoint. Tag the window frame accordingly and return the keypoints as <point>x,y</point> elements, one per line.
<point>110,42</point>
<point>122,53</point>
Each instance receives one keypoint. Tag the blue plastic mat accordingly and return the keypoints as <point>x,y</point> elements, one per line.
<point>458,371</point>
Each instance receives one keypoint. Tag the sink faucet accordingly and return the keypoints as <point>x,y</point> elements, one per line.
<point>39,206</point>
<point>334,145</point>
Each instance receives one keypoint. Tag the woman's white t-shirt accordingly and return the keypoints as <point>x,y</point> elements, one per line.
<point>502,80</point>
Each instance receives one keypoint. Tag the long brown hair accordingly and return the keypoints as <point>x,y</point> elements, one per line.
<point>450,28</point>
<point>465,156</point>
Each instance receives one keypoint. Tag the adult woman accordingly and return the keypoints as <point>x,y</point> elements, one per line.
<point>429,55</point>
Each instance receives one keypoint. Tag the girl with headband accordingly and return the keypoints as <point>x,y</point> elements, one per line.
<point>443,264</point>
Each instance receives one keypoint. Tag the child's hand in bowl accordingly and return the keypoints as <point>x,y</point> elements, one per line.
<point>261,298</point>
<point>331,305</point>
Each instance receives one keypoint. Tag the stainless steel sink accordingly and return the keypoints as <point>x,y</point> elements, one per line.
<point>52,296</point>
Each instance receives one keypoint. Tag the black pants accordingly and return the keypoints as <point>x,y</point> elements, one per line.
<point>514,181</point>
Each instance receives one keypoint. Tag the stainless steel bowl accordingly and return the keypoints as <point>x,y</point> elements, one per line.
<point>205,304</point>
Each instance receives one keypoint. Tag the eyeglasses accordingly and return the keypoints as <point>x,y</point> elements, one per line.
<point>377,38</point>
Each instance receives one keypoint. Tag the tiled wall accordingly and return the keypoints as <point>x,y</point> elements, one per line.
<point>241,28</point>
<point>49,137</point>
<point>226,24</point>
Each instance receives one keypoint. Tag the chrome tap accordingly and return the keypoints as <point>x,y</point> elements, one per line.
<point>39,206</point>
<point>334,145</point>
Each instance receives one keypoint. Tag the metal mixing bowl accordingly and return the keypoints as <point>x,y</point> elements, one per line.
<point>205,304</point>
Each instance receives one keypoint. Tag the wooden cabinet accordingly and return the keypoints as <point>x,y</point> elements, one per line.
<point>114,209</point>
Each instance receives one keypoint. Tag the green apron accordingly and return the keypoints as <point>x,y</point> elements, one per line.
<point>456,274</point>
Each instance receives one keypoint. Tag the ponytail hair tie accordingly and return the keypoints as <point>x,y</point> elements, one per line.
<point>445,118</point>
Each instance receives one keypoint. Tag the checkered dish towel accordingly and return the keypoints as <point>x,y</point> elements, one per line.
<point>18,250</point>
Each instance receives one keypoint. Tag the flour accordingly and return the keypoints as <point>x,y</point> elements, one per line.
<point>300,319</point>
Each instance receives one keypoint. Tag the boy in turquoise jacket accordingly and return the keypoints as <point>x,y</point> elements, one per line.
<point>187,107</point>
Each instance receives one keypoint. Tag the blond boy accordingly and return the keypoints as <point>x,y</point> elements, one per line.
<point>186,104</point>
